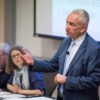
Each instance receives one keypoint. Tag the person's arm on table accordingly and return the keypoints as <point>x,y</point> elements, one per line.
<point>30,92</point>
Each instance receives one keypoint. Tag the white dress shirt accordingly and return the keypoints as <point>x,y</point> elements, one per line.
<point>73,48</point>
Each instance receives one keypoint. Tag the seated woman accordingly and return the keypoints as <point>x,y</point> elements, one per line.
<point>23,80</point>
<point>4,75</point>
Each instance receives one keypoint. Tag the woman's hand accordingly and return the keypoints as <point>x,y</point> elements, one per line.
<point>21,91</point>
<point>16,89</point>
<point>39,92</point>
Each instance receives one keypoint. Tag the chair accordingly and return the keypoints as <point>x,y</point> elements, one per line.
<point>48,79</point>
<point>99,92</point>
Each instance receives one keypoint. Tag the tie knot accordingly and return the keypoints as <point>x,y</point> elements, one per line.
<point>73,43</point>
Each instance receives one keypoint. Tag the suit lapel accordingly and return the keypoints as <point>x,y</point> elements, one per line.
<point>79,53</point>
<point>63,55</point>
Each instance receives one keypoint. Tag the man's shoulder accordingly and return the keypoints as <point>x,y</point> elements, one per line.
<point>66,40</point>
<point>93,43</point>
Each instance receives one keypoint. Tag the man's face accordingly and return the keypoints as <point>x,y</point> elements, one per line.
<point>2,58</point>
<point>74,28</point>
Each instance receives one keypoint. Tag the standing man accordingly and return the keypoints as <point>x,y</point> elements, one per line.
<point>77,61</point>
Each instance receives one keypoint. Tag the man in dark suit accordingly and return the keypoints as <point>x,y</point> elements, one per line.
<point>77,61</point>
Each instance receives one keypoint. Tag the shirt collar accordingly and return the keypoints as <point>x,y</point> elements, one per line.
<point>79,40</point>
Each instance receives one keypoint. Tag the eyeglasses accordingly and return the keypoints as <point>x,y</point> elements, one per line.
<point>16,55</point>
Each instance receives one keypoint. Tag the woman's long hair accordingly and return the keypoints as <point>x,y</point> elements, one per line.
<point>10,65</point>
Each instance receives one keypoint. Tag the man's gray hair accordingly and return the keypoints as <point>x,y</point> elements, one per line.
<point>5,47</point>
<point>84,16</point>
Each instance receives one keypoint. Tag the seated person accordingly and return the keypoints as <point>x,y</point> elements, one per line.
<point>23,80</point>
<point>4,76</point>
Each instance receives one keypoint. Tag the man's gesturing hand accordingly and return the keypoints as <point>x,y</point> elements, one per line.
<point>27,57</point>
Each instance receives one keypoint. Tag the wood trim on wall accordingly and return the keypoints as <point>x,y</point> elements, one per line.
<point>1,21</point>
<point>10,20</point>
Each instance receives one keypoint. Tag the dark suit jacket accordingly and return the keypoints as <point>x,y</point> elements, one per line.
<point>83,76</point>
<point>3,78</point>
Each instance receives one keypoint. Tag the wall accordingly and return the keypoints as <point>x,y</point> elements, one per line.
<point>10,14</point>
<point>41,47</point>
<point>1,21</point>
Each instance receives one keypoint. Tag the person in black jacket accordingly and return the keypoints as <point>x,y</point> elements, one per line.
<point>4,76</point>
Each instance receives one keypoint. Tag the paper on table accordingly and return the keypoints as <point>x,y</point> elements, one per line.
<point>12,96</point>
<point>40,98</point>
<point>4,93</point>
<point>15,99</point>
<point>9,95</point>
<point>34,98</point>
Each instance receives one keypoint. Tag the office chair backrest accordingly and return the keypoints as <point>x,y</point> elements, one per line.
<point>49,82</point>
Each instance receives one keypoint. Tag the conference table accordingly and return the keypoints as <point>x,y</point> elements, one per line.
<point>6,95</point>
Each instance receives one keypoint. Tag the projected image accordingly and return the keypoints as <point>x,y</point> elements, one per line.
<point>61,9</point>
<point>51,18</point>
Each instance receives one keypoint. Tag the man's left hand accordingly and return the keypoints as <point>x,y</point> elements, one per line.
<point>59,79</point>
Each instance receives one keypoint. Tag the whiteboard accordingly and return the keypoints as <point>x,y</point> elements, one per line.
<point>51,16</point>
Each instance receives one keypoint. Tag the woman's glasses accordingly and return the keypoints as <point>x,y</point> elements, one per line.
<point>16,55</point>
